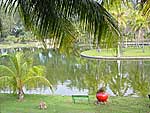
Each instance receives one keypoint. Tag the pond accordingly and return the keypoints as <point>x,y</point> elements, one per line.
<point>75,75</point>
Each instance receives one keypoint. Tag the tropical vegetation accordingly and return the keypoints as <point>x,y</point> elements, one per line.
<point>57,20</point>
<point>71,25</point>
<point>19,73</point>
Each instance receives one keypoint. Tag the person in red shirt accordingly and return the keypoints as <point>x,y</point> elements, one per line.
<point>101,96</point>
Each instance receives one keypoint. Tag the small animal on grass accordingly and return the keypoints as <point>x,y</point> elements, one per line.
<point>21,96</point>
<point>42,105</point>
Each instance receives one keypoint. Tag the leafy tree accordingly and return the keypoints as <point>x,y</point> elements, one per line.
<point>6,22</point>
<point>20,73</point>
<point>11,24</point>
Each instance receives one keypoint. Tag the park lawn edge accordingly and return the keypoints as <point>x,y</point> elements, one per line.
<point>126,52</point>
<point>64,104</point>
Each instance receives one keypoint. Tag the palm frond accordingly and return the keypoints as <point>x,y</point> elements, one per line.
<point>68,32</point>
<point>13,59</point>
<point>4,82</point>
<point>117,4</point>
<point>36,81</point>
<point>47,15</point>
<point>38,70</point>
<point>146,9</point>
<point>36,78</point>
<point>0,25</point>
<point>5,68</point>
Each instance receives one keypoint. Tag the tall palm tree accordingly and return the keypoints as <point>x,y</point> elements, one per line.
<point>20,73</point>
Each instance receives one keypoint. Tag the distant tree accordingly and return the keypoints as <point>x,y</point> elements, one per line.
<point>11,24</point>
<point>6,23</point>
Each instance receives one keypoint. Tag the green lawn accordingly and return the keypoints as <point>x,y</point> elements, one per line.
<point>64,104</point>
<point>17,45</point>
<point>124,52</point>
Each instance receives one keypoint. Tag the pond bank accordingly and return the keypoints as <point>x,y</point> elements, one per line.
<point>115,58</point>
<point>110,54</point>
<point>64,104</point>
<point>20,45</point>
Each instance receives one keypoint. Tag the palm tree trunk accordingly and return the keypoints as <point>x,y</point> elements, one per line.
<point>20,94</point>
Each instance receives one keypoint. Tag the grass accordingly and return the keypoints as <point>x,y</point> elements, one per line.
<point>134,52</point>
<point>17,45</point>
<point>64,104</point>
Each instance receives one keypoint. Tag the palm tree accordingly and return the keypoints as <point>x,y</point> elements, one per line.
<point>20,73</point>
<point>48,17</point>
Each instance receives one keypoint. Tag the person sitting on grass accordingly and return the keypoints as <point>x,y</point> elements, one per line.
<point>101,96</point>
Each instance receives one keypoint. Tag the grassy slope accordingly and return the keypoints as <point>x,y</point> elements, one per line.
<point>126,52</point>
<point>64,104</point>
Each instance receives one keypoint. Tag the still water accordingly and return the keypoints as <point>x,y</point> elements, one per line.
<point>75,75</point>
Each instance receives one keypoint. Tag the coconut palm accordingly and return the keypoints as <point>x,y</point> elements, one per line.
<point>49,16</point>
<point>20,73</point>
<point>139,26</point>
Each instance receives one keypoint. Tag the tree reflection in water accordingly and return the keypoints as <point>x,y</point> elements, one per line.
<point>119,77</point>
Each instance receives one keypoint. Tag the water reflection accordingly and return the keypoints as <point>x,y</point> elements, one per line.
<point>70,74</point>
